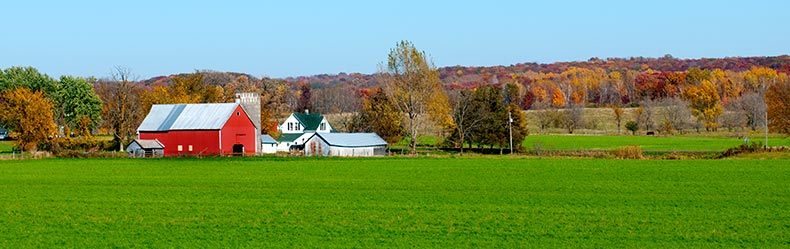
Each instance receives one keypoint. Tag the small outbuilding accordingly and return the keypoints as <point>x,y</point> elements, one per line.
<point>145,148</point>
<point>268,144</point>
<point>345,144</point>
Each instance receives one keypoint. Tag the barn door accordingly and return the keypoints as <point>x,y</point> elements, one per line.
<point>238,149</point>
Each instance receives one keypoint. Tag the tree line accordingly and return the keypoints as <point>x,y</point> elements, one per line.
<point>468,107</point>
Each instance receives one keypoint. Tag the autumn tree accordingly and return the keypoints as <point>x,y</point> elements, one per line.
<point>80,105</point>
<point>704,102</point>
<point>518,126</point>
<point>121,110</point>
<point>412,84</point>
<point>618,117</point>
<point>273,104</point>
<point>240,84</point>
<point>29,115</point>
<point>305,96</point>
<point>190,88</point>
<point>778,100</point>
<point>379,115</point>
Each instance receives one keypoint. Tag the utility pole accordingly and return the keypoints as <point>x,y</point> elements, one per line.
<point>510,127</point>
<point>766,125</point>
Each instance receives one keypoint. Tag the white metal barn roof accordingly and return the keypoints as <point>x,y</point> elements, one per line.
<point>352,139</point>
<point>149,143</point>
<point>266,139</point>
<point>187,117</point>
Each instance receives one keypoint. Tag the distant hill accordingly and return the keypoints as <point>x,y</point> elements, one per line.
<point>491,74</point>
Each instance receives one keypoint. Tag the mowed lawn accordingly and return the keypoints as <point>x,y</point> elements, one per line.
<point>648,143</point>
<point>394,202</point>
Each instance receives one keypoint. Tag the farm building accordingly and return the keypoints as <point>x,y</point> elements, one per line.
<point>145,148</point>
<point>299,127</point>
<point>345,144</point>
<point>200,129</point>
<point>268,144</point>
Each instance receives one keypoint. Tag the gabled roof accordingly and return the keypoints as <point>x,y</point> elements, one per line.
<point>187,117</point>
<point>352,139</point>
<point>149,144</point>
<point>310,121</point>
<point>266,139</point>
<point>289,137</point>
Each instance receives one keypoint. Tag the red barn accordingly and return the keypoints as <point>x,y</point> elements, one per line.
<point>200,129</point>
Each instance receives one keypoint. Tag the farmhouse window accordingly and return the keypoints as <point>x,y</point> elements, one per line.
<point>323,126</point>
<point>290,126</point>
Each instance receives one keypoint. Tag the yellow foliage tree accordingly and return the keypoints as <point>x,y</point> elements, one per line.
<point>705,103</point>
<point>184,89</point>
<point>412,84</point>
<point>29,116</point>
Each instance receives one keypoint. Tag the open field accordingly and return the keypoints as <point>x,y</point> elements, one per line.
<point>394,202</point>
<point>649,143</point>
<point>6,146</point>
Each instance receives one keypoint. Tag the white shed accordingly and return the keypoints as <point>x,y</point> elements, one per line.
<point>268,144</point>
<point>145,148</point>
<point>345,144</point>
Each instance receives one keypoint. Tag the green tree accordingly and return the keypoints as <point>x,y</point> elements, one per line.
<point>412,84</point>
<point>29,116</point>
<point>632,126</point>
<point>80,105</point>
<point>493,130</point>
<point>30,78</point>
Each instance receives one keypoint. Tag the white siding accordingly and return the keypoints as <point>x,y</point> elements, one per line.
<point>295,126</point>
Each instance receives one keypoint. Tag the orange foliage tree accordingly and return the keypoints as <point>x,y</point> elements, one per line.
<point>29,116</point>
<point>778,100</point>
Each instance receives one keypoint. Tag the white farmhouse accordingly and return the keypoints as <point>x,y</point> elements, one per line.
<point>299,127</point>
<point>345,144</point>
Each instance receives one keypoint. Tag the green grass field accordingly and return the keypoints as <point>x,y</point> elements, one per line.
<point>6,146</point>
<point>394,202</point>
<point>649,143</point>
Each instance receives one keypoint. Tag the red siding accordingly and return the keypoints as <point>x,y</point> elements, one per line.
<point>239,129</point>
<point>203,142</point>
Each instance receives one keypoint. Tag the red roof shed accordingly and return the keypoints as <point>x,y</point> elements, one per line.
<point>200,129</point>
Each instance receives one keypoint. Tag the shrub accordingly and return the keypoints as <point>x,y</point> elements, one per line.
<point>632,126</point>
<point>629,152</point>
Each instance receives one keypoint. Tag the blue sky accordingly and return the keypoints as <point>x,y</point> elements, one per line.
<point>294,38</point>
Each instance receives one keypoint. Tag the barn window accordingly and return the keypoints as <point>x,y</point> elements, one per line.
<point>237,114</point>
<point>180,148</point>
<point>190,147</point>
